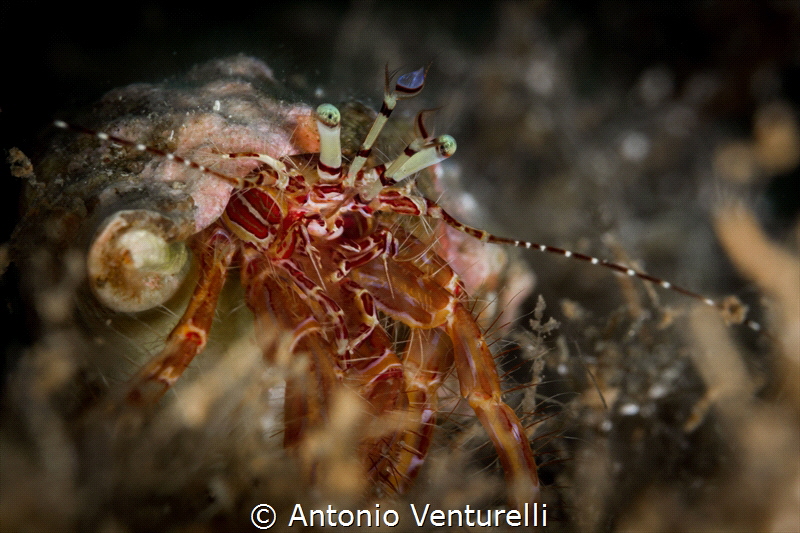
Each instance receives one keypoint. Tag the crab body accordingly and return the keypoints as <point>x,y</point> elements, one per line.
<point>329,247</point>
<point>316,255</point>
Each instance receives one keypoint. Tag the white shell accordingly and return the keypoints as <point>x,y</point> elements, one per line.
<point>132,265</point>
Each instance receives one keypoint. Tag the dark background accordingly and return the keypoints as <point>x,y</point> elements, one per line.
<point>62,57</point>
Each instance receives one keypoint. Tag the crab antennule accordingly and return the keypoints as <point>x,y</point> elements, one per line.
<point>329,166</point>
<point>408,85</point>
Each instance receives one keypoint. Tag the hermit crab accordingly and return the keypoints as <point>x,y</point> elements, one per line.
<point>329,244</point>
<point>336,247</point>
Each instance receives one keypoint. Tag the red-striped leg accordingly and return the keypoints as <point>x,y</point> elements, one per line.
<point>369,366</point>
<point>215,252</point>
<point>373,367</point>
<point>380,244</point>
<point>275,302</point>
<point>480,384</point>
<point>426,362</point>
<point>420,302</point>
<point>376,373</point>
<point>329,310</point>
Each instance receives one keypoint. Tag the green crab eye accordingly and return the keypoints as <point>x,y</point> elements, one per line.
<point>329,115</point>
<point>446,146</point>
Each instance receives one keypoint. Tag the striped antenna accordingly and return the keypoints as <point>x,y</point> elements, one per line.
<point>421,153</point>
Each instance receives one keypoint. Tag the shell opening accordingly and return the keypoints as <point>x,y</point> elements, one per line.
<point>133,263</point>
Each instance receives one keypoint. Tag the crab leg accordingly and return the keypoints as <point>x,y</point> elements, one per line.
<point>268,295</point>
<point>315,293</point>
<point>215,252</point>
<point>380,244</point>
<point>373,367</point>
<point>419,302</point>
<point>273,300</point>
<point>426,361</point>
<point>480,384</point>
<point>369,364</point>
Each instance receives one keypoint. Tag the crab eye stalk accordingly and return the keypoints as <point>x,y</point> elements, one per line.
<point>408,85</point>
<point>133,263</point>
<point>329,121</point>
<point>432,153</point>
